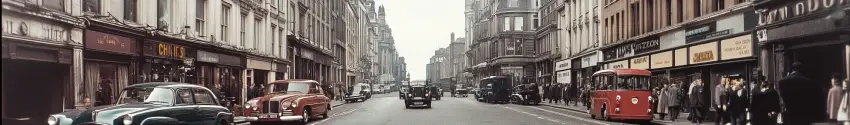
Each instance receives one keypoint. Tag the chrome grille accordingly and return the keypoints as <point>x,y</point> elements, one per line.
<point>271,107</point>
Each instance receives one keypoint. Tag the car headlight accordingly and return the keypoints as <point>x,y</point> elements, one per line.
<point>408,94</point>
<point>128,120</point>
<point>649,98</point>
<point>426,94</point>
<point>247,106</point>
<point>52,120</point>
<point>294,104</point>
<point>618,97</point>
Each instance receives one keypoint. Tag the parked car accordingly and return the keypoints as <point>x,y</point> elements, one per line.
<point>288,100</point>
<point>417,95</point>
<point>153,104</point>
<point>356,93</point>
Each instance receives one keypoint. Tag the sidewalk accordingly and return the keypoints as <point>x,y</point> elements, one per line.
<point>334,104</point>
<point>682,119</point>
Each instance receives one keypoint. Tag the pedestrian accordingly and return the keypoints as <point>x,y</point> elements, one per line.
<point>797,93</point>
<point>844,111</point>
<point>566,94</point>
<point>556,93</point>
<point>673,101</point>
<point>765,106</point>
<point>719,102</point>
<point>696,101</point>
<point>738,103</point>
<point>662,102</point>
<point>546,93</point>
<point>836,93</point>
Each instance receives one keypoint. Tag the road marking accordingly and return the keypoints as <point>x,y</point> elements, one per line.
<point>339,114</point>
<point>571,116</point>
<point>535,115</point>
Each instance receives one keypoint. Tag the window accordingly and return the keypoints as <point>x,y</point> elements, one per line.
<point>272,38</point>
<point>162,13</point>
<point>55,4</point>
<point>507,25</point>
<point>513,3</point>
<point>130,10</point>
<point>91,6</point>
<point>204,97</point>
<point>697,8</point>
<point>536,21</point>
<point>184,96</point>
<point>146,95</point>
<point>242,30</point>
<point>257,33</point>
<point>200,5</point>
<point>518,23</point>
<point>509,47</point>
<point>225,18</point>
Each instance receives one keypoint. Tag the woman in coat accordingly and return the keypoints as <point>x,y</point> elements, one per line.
<point>662,102</point>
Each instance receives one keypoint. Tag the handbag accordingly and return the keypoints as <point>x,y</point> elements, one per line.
<point>842,110</point>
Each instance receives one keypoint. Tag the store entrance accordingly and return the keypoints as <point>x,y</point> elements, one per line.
<point>819,63</point>
<point>32,90</point>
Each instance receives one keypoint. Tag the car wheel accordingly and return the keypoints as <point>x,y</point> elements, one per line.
<point>305,115</point>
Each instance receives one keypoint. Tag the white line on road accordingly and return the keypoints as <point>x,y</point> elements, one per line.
<point>571,116</point>
<point>535,115</point>
<point>339,114</point>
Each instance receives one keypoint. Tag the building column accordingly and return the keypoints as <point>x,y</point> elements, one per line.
<point>764,61</point>
<point>847,60</point>
<point>77,77</point>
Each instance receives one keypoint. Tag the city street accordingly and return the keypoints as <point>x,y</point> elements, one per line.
<point>388,109</point>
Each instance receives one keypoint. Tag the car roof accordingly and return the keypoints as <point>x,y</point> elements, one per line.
<point>165,84</point>
<point>294,80</point>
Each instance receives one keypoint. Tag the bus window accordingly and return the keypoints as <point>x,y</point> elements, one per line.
<point>634,82</point>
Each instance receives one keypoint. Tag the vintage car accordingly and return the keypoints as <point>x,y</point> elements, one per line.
<point>356,93</point>
<point>288,100</point>
<point>435,92</point>
<point>402,92</point>
<point>153,104</point>
<point>417,95</point>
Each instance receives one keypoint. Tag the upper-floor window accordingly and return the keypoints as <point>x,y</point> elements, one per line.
<point>242,27</point>
<point>225,20</point>
<point>130,11</point>
<point>91,6</point>
<point>163,13</point>
<point>200,5</point>
<point>55,4</point>
<point>257,33</point>
<point>518,21</point>
<point>513,3</point>
<point>536,21</point>
<point>507,25</point>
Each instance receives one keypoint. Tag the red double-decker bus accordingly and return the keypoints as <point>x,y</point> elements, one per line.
<point>622,94</point>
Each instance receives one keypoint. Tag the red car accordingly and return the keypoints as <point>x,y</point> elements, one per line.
<point>288,100</point>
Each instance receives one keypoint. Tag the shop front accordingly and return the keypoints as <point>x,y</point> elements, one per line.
<point>260,72</point>
<point>810,33</point>
<point>109,66</point>
<point>167,62</point>
<point>224,70</point>
<point>37,76</point>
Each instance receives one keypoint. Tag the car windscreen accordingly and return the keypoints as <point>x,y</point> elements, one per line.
<point>146,95</point>
<point>302,87</point>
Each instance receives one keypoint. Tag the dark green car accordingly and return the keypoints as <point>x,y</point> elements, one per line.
<point>161,103</point>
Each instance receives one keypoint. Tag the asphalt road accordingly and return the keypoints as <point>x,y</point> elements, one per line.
<point>388,109</point>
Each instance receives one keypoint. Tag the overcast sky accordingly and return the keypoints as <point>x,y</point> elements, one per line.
<point>420,26</point>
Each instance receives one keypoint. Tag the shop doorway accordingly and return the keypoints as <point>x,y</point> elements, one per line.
<point>819,63</point>
<point>35,89</point>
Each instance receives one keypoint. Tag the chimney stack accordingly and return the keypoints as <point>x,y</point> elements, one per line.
<point>453,38</point>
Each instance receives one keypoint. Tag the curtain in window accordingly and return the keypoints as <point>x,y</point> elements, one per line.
<point>121,79</point>
<point>92,77</point>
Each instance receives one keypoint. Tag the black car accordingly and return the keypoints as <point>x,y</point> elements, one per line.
<point>435,92</point>
<point>153,104</point>
<point>417,95</point>
<point>497,89</point>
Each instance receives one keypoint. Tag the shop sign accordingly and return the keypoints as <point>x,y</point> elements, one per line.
<point>164,50</point>
<point>619,65</point>
<point>108,42</point>
<point>562,65</point>
<point>621,51</point>
<point>681,57</point>
<point>590,60</point>
<point>794,9</point>
<point>307,54</point>
<point>662,60</point>
<point>34,28</point>
<point>640,62</point>
<point>647,44</point>
<point>703,53</point>
<point>258,64</point>
<point>563,76</point>
<point>704,31</point>
<point>209,57</point>
<point>231,60</point>
<point>738,47</point>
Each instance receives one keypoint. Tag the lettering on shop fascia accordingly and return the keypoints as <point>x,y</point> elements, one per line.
<point>795,9</point>
<point>703,56</point>
<point>42,30</point>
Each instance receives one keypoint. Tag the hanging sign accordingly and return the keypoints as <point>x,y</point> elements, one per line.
<point>703,53</point>
<point>738,47</point>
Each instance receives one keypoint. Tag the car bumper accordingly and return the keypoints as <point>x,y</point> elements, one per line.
<point>354,97</point>
<point>281,118</point>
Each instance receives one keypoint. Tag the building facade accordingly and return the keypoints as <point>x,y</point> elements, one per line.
<point>504,39</point>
